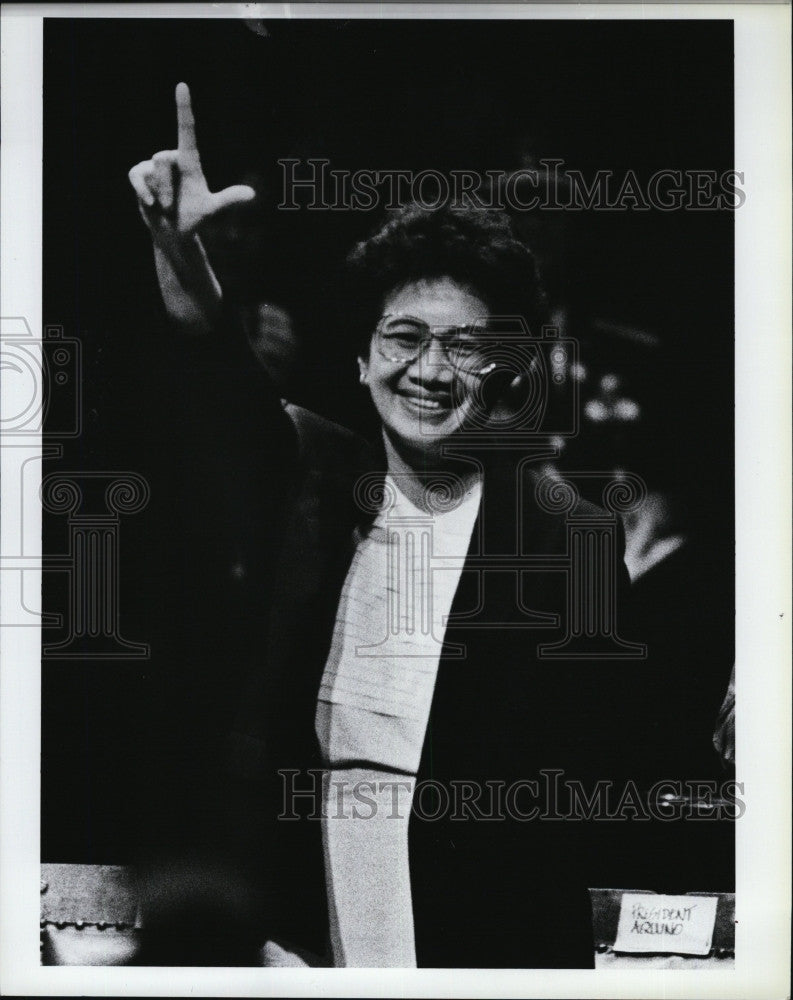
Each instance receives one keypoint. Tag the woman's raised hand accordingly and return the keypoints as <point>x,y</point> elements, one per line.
<point>173,195</point>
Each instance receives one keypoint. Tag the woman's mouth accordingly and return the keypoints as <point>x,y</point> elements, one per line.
<point>426,404</point>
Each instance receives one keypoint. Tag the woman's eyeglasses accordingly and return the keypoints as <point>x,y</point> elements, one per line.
<point>401,339</point>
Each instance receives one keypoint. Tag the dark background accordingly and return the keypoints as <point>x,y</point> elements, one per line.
<point>445,95</point>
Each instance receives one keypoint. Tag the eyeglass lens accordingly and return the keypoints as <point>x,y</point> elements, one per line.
<point>402,338</point>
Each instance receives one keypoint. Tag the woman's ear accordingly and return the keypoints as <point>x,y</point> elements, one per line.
<point>363,370</point>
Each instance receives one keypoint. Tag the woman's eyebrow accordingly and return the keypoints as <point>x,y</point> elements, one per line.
<point>433,326</point>
<point>407,316</point>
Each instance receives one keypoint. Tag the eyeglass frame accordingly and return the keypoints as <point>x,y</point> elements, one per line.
<point>426,340</point>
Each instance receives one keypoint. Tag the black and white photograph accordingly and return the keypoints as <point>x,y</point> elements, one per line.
<point>378,544</point>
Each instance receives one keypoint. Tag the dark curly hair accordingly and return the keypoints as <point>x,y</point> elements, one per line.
<point>476,248</point>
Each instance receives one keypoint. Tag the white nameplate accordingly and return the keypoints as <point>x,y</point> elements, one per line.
<point>680,925</point>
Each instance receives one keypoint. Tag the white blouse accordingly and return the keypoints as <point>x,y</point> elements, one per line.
<point>372,711</point>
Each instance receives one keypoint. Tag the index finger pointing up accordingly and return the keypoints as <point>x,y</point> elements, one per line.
<point>185,121</point>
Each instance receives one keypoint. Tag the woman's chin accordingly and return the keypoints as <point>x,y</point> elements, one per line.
<point>424,448</point>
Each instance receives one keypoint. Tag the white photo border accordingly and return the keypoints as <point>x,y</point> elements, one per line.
<point>762,409</point>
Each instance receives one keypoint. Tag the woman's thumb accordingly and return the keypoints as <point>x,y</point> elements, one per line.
<point>237,194</point>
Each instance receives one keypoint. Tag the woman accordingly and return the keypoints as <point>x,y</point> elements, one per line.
<point>403,721</point>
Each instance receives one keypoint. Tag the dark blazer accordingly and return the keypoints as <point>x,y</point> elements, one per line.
<point>267,517</point>
<point>491,892</point>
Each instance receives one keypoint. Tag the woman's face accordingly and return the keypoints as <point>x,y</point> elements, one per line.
<point>424,402</point>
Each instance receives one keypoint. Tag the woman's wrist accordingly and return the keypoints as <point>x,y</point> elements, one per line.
<point>190,290</point>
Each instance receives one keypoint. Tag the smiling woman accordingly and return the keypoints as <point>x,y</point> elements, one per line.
<point>438,278</point>
<point>422,400</point>
<point>386,662</point>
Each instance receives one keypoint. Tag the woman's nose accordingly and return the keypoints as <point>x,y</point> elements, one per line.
<point>431,363</point>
